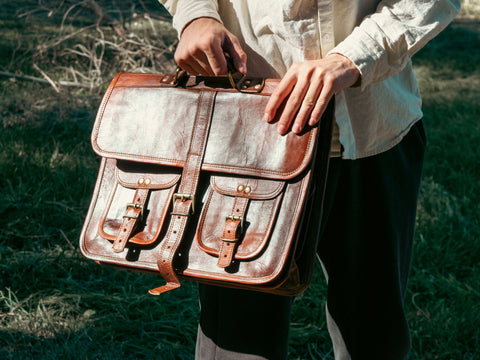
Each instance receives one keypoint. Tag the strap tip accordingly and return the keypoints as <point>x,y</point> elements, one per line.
<point>163,289</point>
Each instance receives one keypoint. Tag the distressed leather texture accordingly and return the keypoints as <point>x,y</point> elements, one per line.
<point>194,184</point>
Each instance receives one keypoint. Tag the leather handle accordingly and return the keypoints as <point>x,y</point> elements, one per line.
<point>240,83</point>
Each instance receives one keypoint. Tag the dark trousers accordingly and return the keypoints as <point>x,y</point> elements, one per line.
<point>365,250</point>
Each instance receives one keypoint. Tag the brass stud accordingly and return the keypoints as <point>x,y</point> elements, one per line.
<point>258,86</point>
<point>240,188</point>
<point>147,181</point>
<point>247,82</point>
<point>141,181</point>
<point>165,79</point>
<point>248,189</point>
<point>244,87</point>
<point>172,83</point>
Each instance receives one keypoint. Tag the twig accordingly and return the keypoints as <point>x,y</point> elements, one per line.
<point>50,81</point>
<point>66,238</point>
<point>66,37</point>
<point>43,81</point>
<point>92,6</point>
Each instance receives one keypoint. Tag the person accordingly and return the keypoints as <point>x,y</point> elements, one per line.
<point>360,52</point>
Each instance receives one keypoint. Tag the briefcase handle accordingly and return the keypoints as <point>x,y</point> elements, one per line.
<point>237,80</point>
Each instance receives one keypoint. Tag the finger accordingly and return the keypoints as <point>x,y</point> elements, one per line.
<point>215,57</point>
<point>326,94</point>
<point>185,66</point>
<point>191,66</point>
<point>187,61</point>
<point>234,49</point>
<point>278,96</point>
<point>202,64</point>
<point>291,108</point>
<point>308,104</point>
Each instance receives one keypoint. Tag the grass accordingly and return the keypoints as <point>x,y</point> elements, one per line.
<point>54,304</point>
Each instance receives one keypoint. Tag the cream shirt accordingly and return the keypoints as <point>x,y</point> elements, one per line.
<point>380,38</point>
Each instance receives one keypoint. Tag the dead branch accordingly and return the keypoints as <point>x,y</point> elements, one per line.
<point>40,80</point>
<point>93,7</point>
<point>50,81</point>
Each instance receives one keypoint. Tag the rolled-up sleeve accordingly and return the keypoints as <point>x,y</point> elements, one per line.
<point>185,11</point>
<point>384,42</point>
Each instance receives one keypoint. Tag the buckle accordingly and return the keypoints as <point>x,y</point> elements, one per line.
<point>135,206</point>
<point>234,218</point>
<point>184,197</point>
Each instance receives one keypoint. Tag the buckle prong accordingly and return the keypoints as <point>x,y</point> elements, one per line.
<point>236,218</point>
<point>184,197</point>
<point>135,206</point>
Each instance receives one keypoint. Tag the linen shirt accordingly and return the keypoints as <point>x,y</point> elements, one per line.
<point>379,37</point>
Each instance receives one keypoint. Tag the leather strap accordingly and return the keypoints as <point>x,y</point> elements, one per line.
<point>183,202</point>
<point>133,215</point>
<point>232,231</point>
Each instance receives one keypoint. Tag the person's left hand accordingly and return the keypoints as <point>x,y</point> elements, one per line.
<point>307,87</point>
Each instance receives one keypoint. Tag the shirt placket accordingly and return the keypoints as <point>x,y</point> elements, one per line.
<point>325,25</point>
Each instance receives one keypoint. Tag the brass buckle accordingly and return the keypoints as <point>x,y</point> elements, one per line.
<point>231,71</point>
<point>235,217</point>
<point>179,74</point>
<point>183,197</point>
<point>135,206</point>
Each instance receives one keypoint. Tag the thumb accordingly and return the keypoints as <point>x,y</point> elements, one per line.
<point>234,49</point>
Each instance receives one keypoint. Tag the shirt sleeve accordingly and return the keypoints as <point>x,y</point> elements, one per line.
<point>384,42</point>
<point>185,11</point>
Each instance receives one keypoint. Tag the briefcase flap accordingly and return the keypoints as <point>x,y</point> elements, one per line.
<point>144,121</point>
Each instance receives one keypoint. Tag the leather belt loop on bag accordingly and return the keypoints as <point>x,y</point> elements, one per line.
<point>133,215</point>
<point>183,205</point>
<point>234,226</point>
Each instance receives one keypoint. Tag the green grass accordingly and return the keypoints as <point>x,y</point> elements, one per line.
<point>54,304</point>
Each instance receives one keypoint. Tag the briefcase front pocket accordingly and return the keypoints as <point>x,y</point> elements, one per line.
<point>238,217</point>
<point>141,193</point>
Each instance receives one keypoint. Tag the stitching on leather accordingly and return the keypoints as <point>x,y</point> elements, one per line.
<point>275,192</point>
<point>180,163</point>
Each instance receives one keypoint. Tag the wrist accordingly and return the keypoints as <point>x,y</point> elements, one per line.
<point>200,21</point>
<point>351,70</point>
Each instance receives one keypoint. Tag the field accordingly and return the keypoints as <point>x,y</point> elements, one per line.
<point>56,59</point>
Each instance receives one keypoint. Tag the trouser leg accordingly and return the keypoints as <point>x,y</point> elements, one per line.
<point>365,250</point>
<point>242,325</point>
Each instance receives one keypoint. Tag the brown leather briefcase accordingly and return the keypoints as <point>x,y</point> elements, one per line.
<point>194,184</point>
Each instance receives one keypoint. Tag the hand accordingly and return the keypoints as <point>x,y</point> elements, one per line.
<point>307,87</point>
<point>202,47</point>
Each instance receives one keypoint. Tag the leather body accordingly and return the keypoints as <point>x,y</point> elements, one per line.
<point>194,184</point>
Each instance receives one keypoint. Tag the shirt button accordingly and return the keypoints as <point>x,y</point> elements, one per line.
<point>326,37</point>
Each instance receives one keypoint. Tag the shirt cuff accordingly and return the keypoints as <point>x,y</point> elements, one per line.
<point>364,52</point>
<point>191,10</point>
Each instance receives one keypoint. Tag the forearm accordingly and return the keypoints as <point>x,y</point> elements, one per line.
<point>385,41</point>
<point>185,11</point>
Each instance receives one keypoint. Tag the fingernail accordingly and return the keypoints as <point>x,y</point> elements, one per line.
<point>311,122</point>
<point>281,129</point>
<point>243,69</point>
<point>266,117</point>
<point>296,129</point>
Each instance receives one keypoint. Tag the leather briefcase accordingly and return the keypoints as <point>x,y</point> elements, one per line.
<point>194,184</point>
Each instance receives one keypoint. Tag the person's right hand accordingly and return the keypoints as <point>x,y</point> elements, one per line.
<point>202,48</point>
